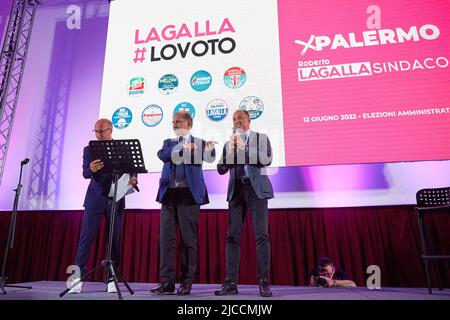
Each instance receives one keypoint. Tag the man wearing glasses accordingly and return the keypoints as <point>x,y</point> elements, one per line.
<point>98,204</point>
<point>326,275</point>
<point>181,192</point>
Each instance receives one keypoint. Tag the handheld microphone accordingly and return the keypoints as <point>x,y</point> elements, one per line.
<point>24,161</point>
<point>237,130</point>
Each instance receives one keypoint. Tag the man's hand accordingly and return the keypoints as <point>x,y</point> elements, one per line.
<point>133,181</point>
<point>240,143</point>
<point>236,141</point>
<point>210,145</point>
<point>330,282</point>
<point>231,144</point>
<point>96,165</point>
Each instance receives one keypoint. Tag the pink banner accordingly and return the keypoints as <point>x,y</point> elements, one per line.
<point>365,83</point>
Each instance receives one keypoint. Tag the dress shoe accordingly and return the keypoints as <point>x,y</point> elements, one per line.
<point>77,288</point>
<point>184,289</point>
<point>228,288</point>
<point>264,289</point>
<point>111,286</point>
<point>164,288</point>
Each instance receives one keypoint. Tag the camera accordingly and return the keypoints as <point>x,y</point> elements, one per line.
<point>320,281</point>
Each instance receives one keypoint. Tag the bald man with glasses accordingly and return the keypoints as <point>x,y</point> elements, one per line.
<point>98,204</point>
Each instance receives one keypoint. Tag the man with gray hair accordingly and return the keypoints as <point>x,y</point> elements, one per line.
<point>181,192</point>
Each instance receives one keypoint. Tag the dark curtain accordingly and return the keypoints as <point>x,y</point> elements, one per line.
<point>355,238</point>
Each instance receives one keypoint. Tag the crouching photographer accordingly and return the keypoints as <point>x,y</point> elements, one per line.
<point>327,276</point>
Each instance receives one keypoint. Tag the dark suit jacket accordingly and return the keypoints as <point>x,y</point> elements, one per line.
<point>98,189</point>
<point>257,156</point>
<point>172,150</point>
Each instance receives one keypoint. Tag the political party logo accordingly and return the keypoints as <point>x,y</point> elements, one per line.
<point>152,115</point>
<point>234,77</point>
<point>185,106</point>
<point>253,105</point>
<point>168,84</point>
<point>217,110</point>
<point>136,86</point>
<point>201,80</point>
<point>122,118</point>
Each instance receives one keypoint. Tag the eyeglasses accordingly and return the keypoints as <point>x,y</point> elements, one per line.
<point>101,130</point>
<point>324,271</point>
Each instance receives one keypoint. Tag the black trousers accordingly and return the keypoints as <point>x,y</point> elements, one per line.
<point>245,199</point>
<point>89,231</point>
<point>178,208</point>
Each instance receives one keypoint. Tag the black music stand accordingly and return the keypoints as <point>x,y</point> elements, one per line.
<point>118,156</point>
<point>10,238</point>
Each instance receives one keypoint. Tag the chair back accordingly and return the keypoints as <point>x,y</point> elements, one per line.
<point>433,197</point>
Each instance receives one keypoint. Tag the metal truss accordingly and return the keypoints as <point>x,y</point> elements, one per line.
<point>12,63</point>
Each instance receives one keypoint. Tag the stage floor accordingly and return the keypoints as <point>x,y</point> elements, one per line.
<point>49,290</point>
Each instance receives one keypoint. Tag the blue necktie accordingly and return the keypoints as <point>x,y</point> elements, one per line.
<point>246,140</point>
<point>179,169</point>
<point>240,171</point>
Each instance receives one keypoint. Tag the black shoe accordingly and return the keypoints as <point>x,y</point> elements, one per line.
<point>264,289</point>
<point>184,289</point>
<point>164,288</point>
<point>227,288</point>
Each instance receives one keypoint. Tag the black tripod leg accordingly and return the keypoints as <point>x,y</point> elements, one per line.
<point>102,264</point>
<point>3,285</point>
<point>16,286</point>
<point>112,274</point>
<point>124,282</point>
<point>438,273</point>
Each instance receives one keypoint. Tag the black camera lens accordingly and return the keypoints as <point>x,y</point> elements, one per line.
<point>320,281</point>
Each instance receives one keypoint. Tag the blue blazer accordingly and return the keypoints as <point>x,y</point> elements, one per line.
<point>98,189</point>
<point>172,153</point>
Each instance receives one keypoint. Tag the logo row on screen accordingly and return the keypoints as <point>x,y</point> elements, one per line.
<point>201,80</point>
<point>216,110</point>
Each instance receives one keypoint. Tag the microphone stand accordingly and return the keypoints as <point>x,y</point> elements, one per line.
<point>10,238</point>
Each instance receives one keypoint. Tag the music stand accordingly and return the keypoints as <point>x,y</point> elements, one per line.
<point>10,238</point>
<point>118,156</point>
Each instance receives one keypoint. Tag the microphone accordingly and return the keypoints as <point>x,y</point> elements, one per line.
<point>237,130</point>
<point>24,161</point>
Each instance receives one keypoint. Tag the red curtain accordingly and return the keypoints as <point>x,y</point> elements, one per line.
<point>355,238</point>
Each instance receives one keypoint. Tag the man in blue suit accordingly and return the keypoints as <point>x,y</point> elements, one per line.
<point>182,191</point>
<point>98,204</point>
<point>246,157</point>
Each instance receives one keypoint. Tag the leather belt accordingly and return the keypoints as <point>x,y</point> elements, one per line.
<point>243,180</point>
